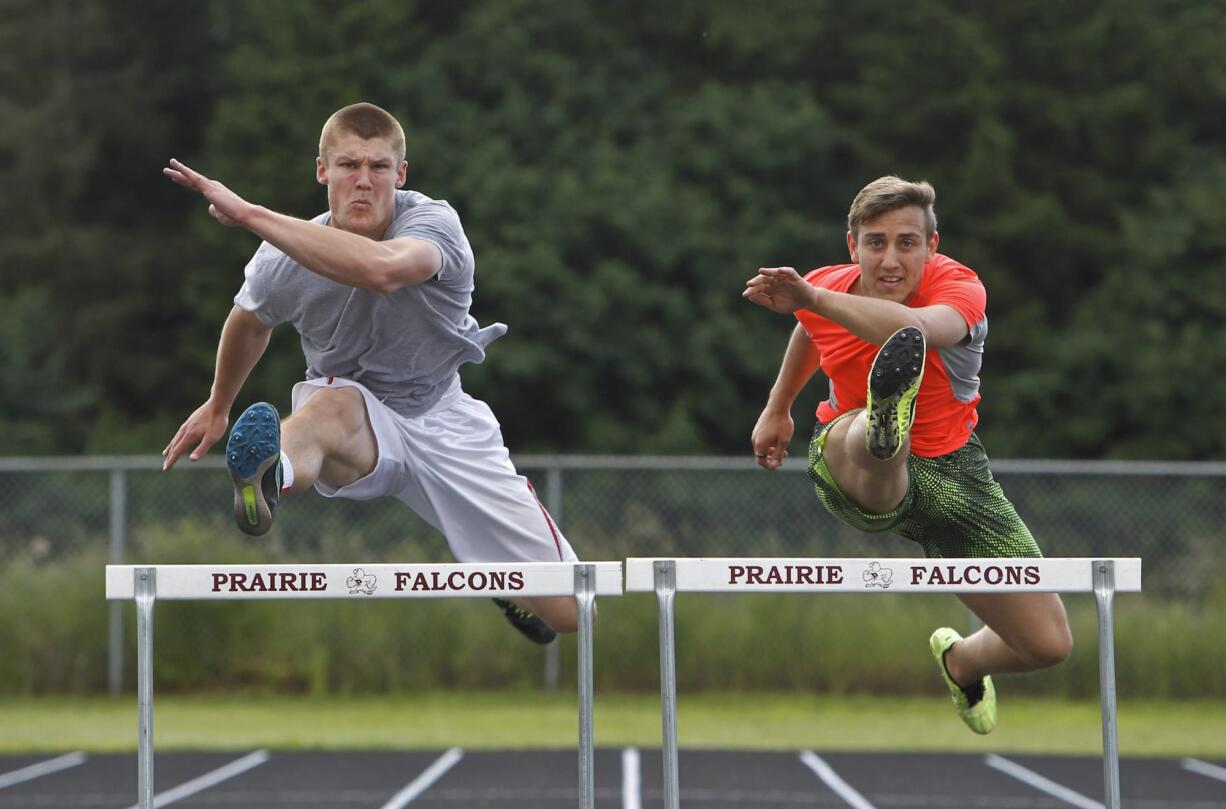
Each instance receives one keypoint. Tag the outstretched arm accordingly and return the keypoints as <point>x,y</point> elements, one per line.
<point>347,258</point>
<point>873,320</point>
<point>774,429</point>
<point>243,341</point>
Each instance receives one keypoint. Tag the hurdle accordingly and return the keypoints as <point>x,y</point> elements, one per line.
<point>147,583</point>
<point>667,577</point>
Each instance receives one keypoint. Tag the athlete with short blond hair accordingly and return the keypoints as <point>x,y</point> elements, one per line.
<point>899,333</point>
<point>379,289</point>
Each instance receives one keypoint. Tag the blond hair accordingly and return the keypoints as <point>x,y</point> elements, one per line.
<point>890,193</point>
<point>364,120</point>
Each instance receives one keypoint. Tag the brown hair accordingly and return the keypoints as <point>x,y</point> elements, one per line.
<point>888,194</point>
<point>364,120</point>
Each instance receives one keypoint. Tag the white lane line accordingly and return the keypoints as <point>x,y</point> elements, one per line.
<point>1204,768</point>
<point>843,789</point>
<point>1040,783</point>
<point>423,782</point>
<point>632,797</point>
<point>236,767</point>
<point>40,769</point>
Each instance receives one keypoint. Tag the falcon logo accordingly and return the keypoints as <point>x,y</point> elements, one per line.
<point>361,582</point>
<point>878,576</point>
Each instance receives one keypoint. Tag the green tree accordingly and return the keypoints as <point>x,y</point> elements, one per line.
<point>41,408</point>
<point>621,170</point>
<point>93,95</point>
<point>615,210</point>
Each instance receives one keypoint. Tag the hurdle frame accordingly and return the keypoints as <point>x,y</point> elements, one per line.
<point>667,577</point>
<point>146,584</point>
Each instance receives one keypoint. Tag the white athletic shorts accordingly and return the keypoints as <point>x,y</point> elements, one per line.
<point>451,467</point>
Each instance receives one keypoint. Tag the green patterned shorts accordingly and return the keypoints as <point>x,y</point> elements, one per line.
<point>954,508</point>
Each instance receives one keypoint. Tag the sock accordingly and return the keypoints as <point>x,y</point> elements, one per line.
<point>287,473</point>
<point>974,692</point>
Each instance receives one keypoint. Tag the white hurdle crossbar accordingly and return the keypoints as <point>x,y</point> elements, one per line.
<point>583,581</point>
<point>667,577</point>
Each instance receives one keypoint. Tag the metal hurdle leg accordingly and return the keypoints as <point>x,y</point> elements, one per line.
<point>1104,593</point>
<point>585,599</point>
<point>666,590</point>
<point>146,593</point>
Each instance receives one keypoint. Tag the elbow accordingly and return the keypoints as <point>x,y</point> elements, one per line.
<point>383,283</point>
<point>386,283</point>
<point>385,276</point>
<point>908,322</point>
<point>377,274</point>
<point>941,329</point>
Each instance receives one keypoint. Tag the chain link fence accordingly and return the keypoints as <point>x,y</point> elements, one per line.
<point>59,512</point>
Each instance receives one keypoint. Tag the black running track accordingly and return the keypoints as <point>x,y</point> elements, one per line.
<point>625,779</point>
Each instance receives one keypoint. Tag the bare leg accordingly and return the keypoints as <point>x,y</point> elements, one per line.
<point>876,486</point>
<point>560,614</point>
<point>330,439</point>
<point>1022,632</point>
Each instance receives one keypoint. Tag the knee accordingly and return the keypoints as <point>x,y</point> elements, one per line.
<point>1049,649</point>
<point>560,615</point>
<point>341,406</point>
<point>564,624</point>
<point>562,621</point>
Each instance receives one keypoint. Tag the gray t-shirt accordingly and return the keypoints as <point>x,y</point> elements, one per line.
<point>405,346</point>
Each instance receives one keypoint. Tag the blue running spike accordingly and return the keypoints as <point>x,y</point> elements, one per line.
<point>254,461</point>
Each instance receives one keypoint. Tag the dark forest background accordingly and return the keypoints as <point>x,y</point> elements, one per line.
<point>622,168</point>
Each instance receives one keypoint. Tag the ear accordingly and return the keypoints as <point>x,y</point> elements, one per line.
<point>852,248</point>
<point>402,173</point>
<point>321,171</point>
<point>932,245</point>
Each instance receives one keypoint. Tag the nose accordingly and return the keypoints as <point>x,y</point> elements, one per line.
<point>890,259</point>
<point>363,178</point>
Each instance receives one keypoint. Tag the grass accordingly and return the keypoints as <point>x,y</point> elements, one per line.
<point>531,719</point>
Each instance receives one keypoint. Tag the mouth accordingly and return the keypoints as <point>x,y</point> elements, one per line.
<point>890,281</point>
<point>360,204</point>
